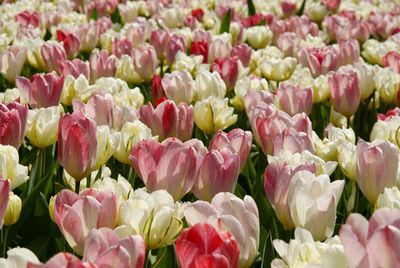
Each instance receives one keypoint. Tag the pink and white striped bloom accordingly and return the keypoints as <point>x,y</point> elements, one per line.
<point>60,260</point>
<point>102,65</point>
<point>228,69</point>
<point>178,86</point>
<point>319,60</point>
<point>12,60</point>
<point>75,68</point>
<point>76,215</point>
<point>41,90</point>
<point>294,99</point>
<point>70,42</point>
<point>169,119</point>
<point>169,165</point>
<point>13,118</point>
<point>145,61</point>
<point>392,60</point>
<point>51,54</point>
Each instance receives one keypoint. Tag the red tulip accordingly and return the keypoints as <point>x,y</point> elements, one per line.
<point>41,90</point>
<point>201,246</point>
<point>198,13</point>
<point>228,69</point>
<point>243,53</point>
<point>200,48</point>
<point>13,120</point>
<point>70,42</point>
<point>77,144</point>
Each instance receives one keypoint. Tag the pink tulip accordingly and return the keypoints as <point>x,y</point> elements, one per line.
<point>236,141</point>
<point>218,172</point>
<point>202,246</point>
<point>289,43</point>
<point>200,35</point>
<point>41,90</point>
<point>392,60</point>
<point>12,61</point>
<point>77,144</point>
<point>344,26</point>
<point>70,42</point>
<point>294,99</point>
<point>170,165</point>
<point>101,7</point>
<point>61,260</point>
<point>277,178</point>
<point>4,195</point>
<point>389,114</point>
<point>270,130</point>
<point>243,53</point>
<point>103,248</point>
<point>349,52</point>
<point>169,119</point>
<point>75,68</point>
<point>51,54</point>
<point>13,120</point>
<point>102,65</point>
<point>255,99</point>
<point>383,24</point>
<point>27,18</point>
<point>179,86</point>
<point>175,44</point>
<point>319,60</point>
<point>377,165</point>
<point>218,49</point>
<point>345,91</point>
<point>121,47</point>
<point>228,69</point>
<point>157,90</point>
<point>76,215</point>
<point>89,36</point>
<point>100,108</point>
<point>303,26</point>
<point>136,34</point>
<point>375,243</point>
<point>288,8</point>
<point>159,40</point>
<point>331,4</point>
<point>191,22</point>
<point>145,61</point>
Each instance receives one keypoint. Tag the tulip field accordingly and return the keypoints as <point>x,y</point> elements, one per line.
<point>200,133</point>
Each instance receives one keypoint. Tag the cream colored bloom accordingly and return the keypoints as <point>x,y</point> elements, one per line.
<point>155,216</point>
<point>34,56</point>
<point>184,62</point>
<point>303,251</point>
<point>126,70</point>
<point>10,168</point>
<point>374,51</point>
<point>13,210</point>
<point>18,257</point>
<point>347,160</point>
<point>209,84</point>
<point>131,133</point>
<point>278,69</point>
<point>259,36</point>
<point>320,89</point>
<point>213,113</point>
<point>389,198</point>
<point>73,88</point>
<point>42,126</point>
<point>327,148</point>
<point>387,84</point>
<point>245,84</point>
<point>107,142</point>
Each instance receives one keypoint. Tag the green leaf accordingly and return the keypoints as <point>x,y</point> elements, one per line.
<point>251,8</point>
<point>226,22</point>
<point>301,10</point>
<point>166,258</point>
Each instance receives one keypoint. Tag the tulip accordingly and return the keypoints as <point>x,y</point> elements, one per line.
<point>290,140</point>
<point>331,4</point>
<point>392,60</point>
<point>75,68</point>
<point>228,69</point>
<point>121,47</point>
<point>104,248</point>
<point>70,42</point>
<point>13,210</point>
<point>175,44</point>
<point>155,216</point>
<point>128,11</point>
<point>387,84</point>
<point>77,144</point>
<point>11,62</point>
<point>13,121</point>
<point>19,257</point>
<point>178,86</point>
<point>183,62</point>
<point>137,33</point>
<point>102,65</point>
<point>259,36</point>
<point>213,114</point>
<point>60,260</point>
<point>294,99</point>
<point>27,18</point>
<point>203,246</point>
<point>303,251</point>
<point>345,91</point>
<point>168,120</point>
<point>312,202</point>
<point>218,172</point>
<point>4,197</point>
<point>230,213</point>
<point>200,48</point>
<point>242,52</point>
<point>288,43</point>
<point>9,167</point>
<point>319,60</point>
<point>89,35</point>
<point>247,86</point>
<point>145,61</point>
<point>107,142</point>
<point>390,198</point>
<point>41,90</point>
<point>130,134</point>
<point>278,69</point>
<point>377,165</point>
<point>218,49</point>
<point>100,108</point>
<point>209,84</point>
<point>349,52</point>
<point>76,214</point>
<point>374,243</point>
<point>170,165</point>
<point>235,141</point>
<point>159,40</point>
<point>42,127</point>
<point>52,53</point>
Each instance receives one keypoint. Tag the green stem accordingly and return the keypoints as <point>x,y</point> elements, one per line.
<point>5,233</point>
<point>77,186</point>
